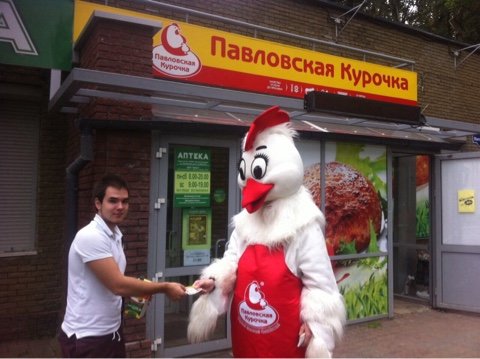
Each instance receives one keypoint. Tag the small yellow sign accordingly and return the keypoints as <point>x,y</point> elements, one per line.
<point>466,201</point>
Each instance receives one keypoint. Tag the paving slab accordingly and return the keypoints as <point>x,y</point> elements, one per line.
<point>415,331</point>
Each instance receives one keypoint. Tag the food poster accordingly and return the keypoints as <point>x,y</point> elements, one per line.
<point>422,196</point>
<point>355,212</point>
<point>196,236</point>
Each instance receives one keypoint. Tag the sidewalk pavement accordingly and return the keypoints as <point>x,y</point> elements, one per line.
<point>415,331</point>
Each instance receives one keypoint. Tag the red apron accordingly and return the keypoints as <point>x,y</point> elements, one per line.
<point>265,312</point>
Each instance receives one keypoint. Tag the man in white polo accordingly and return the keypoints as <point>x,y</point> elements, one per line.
<point>96,281</point>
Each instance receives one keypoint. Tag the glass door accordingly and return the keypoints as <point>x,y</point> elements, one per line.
<point>411,231</point>
<point>197,196</point>
<point>457,225</point>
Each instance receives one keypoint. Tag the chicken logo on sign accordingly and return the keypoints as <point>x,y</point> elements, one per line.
<point>254,312</point>
<point>173,57</point>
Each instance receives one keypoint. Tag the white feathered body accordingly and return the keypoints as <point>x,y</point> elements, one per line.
<point>290,219</point>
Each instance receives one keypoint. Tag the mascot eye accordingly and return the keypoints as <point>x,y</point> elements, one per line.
<point>242,169</point>
<point>259,166</point>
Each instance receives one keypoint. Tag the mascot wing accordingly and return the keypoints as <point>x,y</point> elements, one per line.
<point>207,308</point>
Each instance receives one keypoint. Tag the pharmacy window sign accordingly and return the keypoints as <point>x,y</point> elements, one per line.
<point>192,177</point>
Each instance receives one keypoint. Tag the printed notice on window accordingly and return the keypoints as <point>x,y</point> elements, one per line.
<point>466,201</point>
<point>192,178</point>
<point>196,236</point>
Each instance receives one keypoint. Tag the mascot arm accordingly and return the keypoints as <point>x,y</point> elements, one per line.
<point>322,306</point>
<point>224,271</point>
<point>208,307</point>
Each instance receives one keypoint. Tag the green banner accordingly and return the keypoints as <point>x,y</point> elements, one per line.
<point>192,178</point>
<point>37,33</point>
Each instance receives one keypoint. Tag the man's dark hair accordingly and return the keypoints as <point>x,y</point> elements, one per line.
<point>112,180</point>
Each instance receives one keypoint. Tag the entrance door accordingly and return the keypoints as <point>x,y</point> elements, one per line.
<point>411,226</point>
<point>195,189</point>
<point>457,230</point>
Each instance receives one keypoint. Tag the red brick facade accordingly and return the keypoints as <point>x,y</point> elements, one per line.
<point>33,287</point>
<point>125,49</point>
<point>30,286</point>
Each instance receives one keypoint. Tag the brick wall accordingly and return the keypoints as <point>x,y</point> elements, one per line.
<point>118,48</point>
<point>126,154</point>
<point>125,49</point>
<point>31,286</point>
<point>442,91</point>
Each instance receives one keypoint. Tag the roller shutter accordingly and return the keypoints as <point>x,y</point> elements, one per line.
<point>18,175</point>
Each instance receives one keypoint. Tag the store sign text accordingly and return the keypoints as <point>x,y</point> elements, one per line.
<point>207,56</point>
<point>358,77</point>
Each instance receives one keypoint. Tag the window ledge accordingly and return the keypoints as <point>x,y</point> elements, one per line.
<point>18,254</point>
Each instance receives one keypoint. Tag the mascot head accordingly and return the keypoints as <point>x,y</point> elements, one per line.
<point>270,167</point>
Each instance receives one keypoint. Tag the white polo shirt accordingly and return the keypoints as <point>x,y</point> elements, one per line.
<point>92,309</point>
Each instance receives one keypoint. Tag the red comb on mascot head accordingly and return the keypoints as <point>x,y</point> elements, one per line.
<point>276,268</point>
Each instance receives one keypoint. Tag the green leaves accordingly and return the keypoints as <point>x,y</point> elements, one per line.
<point>368,299</point>
<point>454,19</point>
<point>423,220</point>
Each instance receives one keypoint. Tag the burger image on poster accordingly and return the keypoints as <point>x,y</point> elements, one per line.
<point>352,201</point>
<point>355,189</point>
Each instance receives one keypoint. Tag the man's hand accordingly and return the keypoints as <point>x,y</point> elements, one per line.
<point>175,291</point>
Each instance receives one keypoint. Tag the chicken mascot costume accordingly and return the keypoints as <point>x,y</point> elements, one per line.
<point>276,271</point>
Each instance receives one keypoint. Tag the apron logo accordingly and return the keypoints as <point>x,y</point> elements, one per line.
<point>174,57</point>
<point>254,312</point>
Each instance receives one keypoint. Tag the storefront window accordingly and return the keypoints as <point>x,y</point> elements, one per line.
<point>356,220</point>
<point>198,219</point>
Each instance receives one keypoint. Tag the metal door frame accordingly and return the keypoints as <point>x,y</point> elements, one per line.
<point>397,215</point>
<point>157,237</point>
<point>394,152</point>
<point>441,249</point>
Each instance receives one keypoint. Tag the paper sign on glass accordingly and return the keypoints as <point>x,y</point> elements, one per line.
<point>466,201</point>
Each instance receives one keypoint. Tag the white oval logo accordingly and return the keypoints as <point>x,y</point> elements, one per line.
<point>174,57</point>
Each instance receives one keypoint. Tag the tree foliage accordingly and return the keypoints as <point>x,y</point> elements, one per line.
<point>452,19</point>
